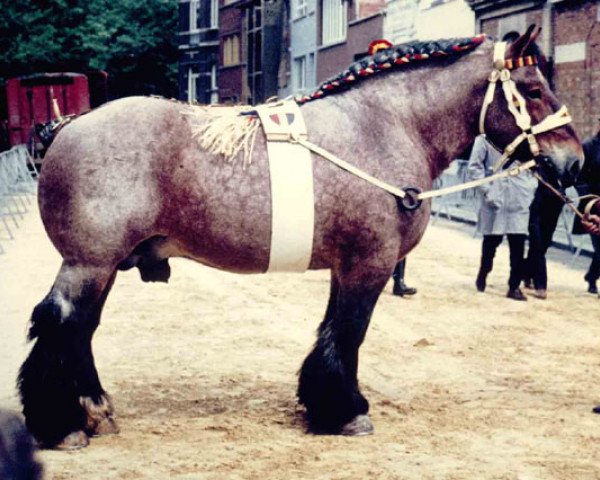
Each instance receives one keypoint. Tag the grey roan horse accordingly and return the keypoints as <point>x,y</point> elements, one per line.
<point>128,185</point>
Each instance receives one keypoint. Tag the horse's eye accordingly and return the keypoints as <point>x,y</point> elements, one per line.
<point>534,94</point>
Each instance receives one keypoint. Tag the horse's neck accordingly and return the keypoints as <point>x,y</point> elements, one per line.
<point>434,109</point>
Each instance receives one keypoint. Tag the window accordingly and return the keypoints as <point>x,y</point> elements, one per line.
<point>194,5</point>
<point>334,20</point>
<point>214,13</point>
<point>301,8</point>
<point>192,86</point>
<point>214,89</point>
<point>231,50</point>
<point>299,73</point>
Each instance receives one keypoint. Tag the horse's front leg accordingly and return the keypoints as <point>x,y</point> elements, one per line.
<point>328,379</point>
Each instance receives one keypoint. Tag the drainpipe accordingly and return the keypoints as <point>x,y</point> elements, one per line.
<point>547,45</point>
<point>548,39</point>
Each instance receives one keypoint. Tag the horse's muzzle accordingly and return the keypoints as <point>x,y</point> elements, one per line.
<point>566,171</point>
<point>572,169</point>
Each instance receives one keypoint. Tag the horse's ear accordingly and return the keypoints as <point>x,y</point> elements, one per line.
<point>520,45</point>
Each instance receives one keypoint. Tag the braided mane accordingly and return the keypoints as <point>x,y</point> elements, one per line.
<point>392,59</point>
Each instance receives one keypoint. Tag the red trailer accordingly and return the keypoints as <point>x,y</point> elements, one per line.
<point>29,101</point>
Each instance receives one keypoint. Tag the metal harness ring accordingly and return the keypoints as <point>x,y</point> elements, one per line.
<point>411,200</point>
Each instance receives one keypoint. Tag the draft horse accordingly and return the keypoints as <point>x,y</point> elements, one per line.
<point>128,185</point>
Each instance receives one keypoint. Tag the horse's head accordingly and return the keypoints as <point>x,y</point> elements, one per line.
<point>524,115</point>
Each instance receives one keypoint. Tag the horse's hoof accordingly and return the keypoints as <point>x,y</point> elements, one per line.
<point>106,426</point>
<point>100,419</point>
<point>359,426</point>
<point>74,441</point>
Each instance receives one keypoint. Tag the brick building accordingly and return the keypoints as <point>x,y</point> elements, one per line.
<point>344,30</point>
<point>231,81</point>
<point>570,39</point>
<point>199,49</point>
<point>253,50</point>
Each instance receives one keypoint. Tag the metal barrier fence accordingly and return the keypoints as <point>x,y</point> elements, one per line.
<point>463,206</point>
<point>18,185</point>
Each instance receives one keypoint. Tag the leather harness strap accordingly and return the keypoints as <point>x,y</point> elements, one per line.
<point>398,192</point>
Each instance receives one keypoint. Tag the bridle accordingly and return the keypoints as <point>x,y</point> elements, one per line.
<point>517,105</point>
<point>410,198</point>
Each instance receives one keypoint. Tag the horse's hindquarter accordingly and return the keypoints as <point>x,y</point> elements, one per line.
<point>98,191</point>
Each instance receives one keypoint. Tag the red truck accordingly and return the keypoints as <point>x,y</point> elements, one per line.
<point>29,102</point>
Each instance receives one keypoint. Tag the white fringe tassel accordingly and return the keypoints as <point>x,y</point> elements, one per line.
<point>226,132</point>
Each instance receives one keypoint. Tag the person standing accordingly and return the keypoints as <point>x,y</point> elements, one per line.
<point>543,218</point>
<point>588,182</point>
<point>400,288</point>
<point>504,211</point>
<point>591,224</point>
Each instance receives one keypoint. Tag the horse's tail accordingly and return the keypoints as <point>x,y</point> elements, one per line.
<point>47,132</point>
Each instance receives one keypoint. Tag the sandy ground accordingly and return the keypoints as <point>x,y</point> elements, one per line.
<point>203,372</point>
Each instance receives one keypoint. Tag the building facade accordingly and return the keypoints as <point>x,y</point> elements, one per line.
<point>254,50</point>
<point>231,73</point>
<point>432,20</point>
<point>345,28</point>
<point>303,45</point>
<point>199,50</point>
<point>570,39</point>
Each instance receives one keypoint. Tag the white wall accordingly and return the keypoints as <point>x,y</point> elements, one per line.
<point>445,19</point>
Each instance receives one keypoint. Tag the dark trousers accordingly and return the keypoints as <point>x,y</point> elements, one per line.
<point>543,217</point>
<point>593,272</point>
<point>516,245</point>
<point>398,274</point>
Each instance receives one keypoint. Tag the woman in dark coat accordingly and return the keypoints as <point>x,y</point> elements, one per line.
<point>589,183</point>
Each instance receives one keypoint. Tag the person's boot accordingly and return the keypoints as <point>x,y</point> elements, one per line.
<point>516,294</point>
<point>540,293</point>
<point>480,281</point>
<point>401,289</point>
<point>592,288</point>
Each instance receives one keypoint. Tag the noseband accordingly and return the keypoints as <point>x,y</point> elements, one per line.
<point>517,105</point>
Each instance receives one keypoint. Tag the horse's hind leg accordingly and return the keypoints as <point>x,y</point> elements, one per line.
<point>63,400</point>
<point>328,379</point>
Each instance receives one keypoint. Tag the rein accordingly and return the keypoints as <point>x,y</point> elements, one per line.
<point>410,198</point>
<point>568,201</point>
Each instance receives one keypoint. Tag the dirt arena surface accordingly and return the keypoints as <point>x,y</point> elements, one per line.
<point>462,385</point>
